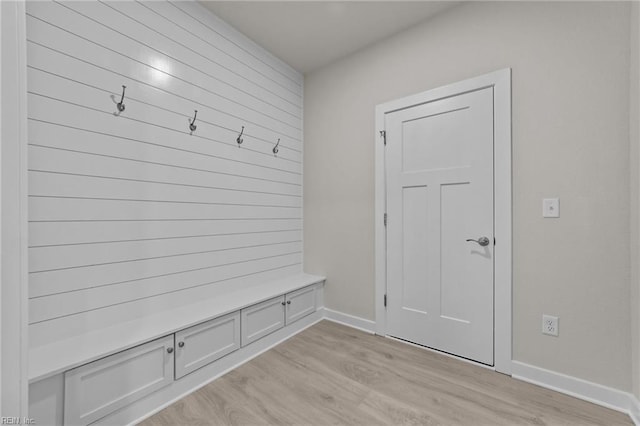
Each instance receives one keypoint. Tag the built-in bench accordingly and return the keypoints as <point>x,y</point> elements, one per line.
<point>121,373</point>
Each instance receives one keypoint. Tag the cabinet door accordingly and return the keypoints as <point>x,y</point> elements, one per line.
<point>300,303</point>
<point>96,389</point>
<point>204,343</point>
<point>262,319</point>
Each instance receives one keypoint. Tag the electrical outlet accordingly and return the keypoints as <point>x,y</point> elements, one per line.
<point>551,207</point>
<point>550,325</point>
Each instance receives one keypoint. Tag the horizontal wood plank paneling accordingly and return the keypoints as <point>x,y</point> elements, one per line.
<point>55,306</point>
<point>83,31</point>
<point>162,171</point>
<point>168,41</point>
<point>71,45</point>
<point>82,72</point>
<point>58,209</point>
<point>87,255</point>
<point>131,212</point>
<point>76,186</point>
<point>149,42</point>
<point>84,277</point>
<point>88,100</point>
<point>70,233</point>
<point>54,110</point>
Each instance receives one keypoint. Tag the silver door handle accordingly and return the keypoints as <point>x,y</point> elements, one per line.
<point>483,241</point>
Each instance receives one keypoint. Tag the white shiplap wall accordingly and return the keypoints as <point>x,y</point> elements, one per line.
<point>130,213</point>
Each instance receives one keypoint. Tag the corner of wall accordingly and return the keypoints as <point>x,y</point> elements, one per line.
<point>634,148</point>
<point>13,200</point>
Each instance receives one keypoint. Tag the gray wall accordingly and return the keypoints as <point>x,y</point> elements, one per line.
<point>634,133</point>
<point>571,102</point>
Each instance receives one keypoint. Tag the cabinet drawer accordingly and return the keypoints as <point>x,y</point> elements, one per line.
<point>96,389</point>
<point>300,303</point>
<point>262,319</point>
<point>204,343</point>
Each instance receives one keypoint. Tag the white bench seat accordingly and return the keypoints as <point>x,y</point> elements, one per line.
<point>54,358</point>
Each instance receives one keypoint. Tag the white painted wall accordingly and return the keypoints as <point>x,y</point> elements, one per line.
<point>131,213</point>
<point>570,66</point>
<point>13,224</point>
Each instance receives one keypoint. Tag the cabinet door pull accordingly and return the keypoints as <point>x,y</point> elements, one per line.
<point>169,350</point>
<point>288,302</point>
<point>181,344</point>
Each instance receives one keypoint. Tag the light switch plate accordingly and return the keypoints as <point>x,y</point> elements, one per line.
<point>551,207</point>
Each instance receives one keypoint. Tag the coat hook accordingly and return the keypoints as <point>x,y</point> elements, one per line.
<point>192,125</point>
<point>121,104</point>
<point>275,148</point>
<point>239,139</point>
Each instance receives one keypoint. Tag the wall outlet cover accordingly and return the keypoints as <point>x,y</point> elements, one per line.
<point>551,207</point>
<point>550,325</point>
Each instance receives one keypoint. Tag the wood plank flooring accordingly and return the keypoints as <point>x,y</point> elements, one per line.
<point>334,375</point>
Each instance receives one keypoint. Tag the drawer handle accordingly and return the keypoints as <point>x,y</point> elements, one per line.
<point>181,344</point>
<point>288,302</point>
<point>169,350</point>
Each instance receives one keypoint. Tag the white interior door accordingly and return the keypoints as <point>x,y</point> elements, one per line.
<point>439,173</point>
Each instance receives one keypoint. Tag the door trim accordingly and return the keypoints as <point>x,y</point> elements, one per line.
<point>501,83</point>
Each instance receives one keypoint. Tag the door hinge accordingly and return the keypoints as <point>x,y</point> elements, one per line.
<point>385,219</point>
<point>383,134</point>
<point>385,300</point>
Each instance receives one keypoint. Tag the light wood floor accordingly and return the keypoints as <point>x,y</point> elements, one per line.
<point>332,374</point>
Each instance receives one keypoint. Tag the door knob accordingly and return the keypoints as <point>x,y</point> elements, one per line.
<point>483,241</point>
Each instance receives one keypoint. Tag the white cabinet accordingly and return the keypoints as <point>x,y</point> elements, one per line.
<point>262,319</point>
<point>273,314</point>
<point>204,343</point>
<point>102,390</point>
<point>96,389</point>
<point>46,401</point>
<point>300,303</point>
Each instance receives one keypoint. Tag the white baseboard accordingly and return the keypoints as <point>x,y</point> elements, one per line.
<point>350,320</point>
<point>598,394</point>
<point>615,399</point>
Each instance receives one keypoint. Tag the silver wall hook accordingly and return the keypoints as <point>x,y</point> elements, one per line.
<point>239,140</point>
<point>121,103</point>
<point>275,148</point>
<point>192,124</point>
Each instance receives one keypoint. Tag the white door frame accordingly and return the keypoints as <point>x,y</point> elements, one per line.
<point>500,81</point>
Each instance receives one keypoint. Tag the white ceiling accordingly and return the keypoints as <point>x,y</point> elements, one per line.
<point>310,34</point>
